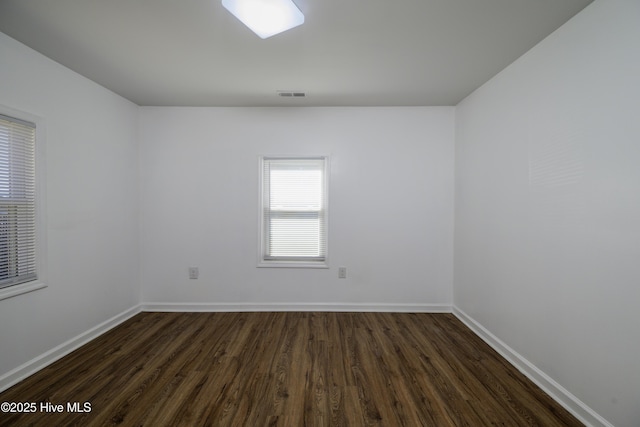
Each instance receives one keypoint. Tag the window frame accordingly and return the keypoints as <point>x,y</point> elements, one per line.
<point>287,262</point>
<point>40,198</point>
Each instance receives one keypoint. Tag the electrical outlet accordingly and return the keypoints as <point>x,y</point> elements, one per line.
<point>342,272</point>
<point>193,272</point>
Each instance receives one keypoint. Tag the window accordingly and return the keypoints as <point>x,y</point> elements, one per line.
<point>294,212</point>
<point>17,202</point>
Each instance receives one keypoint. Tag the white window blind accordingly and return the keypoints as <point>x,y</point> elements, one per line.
<point>294,209</point>
<point>17,202</point>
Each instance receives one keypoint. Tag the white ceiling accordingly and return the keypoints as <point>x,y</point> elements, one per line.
<point>348,52</point>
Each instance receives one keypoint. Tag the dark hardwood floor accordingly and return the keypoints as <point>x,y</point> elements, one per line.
<point>286,369</point>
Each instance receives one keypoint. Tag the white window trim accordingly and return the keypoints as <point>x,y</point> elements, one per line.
<point>41,235</point>
<point>262,263</point>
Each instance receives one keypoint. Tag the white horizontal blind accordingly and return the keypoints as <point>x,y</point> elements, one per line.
<point>17,202</point>
<point>294,209</point>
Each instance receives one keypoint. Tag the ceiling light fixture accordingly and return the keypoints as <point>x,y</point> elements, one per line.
<point>266,18</point>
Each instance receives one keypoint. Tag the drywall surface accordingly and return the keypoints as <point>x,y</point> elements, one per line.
<point>390,206</point>
<point>91,221</point>
<point>547,240</point>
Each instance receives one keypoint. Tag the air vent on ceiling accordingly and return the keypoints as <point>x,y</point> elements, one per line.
<point>291,94</point>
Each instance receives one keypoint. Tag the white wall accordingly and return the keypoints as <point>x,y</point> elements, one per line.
<point>547,245</point>
<point>91,207</point>
<point>391,206</point>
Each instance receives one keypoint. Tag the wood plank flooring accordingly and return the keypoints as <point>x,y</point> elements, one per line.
<point>286,369</point>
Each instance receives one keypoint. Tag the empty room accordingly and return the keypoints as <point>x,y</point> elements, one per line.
<point>183,232</point>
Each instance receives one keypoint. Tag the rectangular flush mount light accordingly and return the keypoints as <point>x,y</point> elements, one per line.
<point>266,18</point>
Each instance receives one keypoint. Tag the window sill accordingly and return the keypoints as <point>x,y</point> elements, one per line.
<point>15,290</point>
<point>292,264</point>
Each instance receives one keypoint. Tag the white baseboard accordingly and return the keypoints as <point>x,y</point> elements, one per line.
<point>561,395</point>
<point>31,367</point>
<point>338,307</point>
